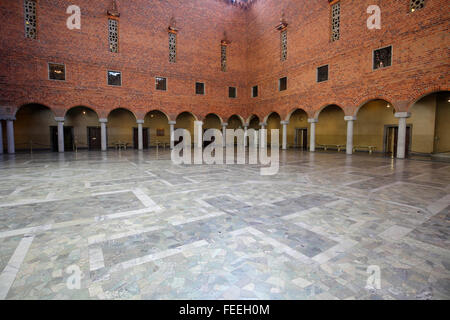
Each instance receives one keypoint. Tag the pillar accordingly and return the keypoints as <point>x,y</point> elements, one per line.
<point>172,137</point>
<point>198,134</point>
<point>263,135</point>
<point>350,123</point>
<point>401,142</point>
<point>60,122</point>
<point>224,134</point>
<point>10,135</point>
<point>312,138</point>
<point>103,122</point>
<point>140,134</point>
<point>284,124</point>
<point>1,137</point>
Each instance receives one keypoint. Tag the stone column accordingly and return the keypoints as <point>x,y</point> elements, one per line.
<point>103,122</point>
<point>312,137</point>
<point>140,134</point>
<point>263,135</point>
<point>401,142</point>
<point>60,121</point>
<point>198,134</point>
<point>350,121</point>
<point>172,137</point>
<point>10,135</point>
<point>284,123</point>
<point>1,137</point>
<point>224,134</point>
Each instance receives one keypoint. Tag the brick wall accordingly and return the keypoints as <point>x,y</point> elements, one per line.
<point>420,56</point>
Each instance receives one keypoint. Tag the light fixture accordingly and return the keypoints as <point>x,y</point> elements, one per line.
<point>84,112</point>
<point>388,105</point>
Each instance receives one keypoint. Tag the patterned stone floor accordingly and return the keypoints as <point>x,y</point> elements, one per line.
<point>135,226</point>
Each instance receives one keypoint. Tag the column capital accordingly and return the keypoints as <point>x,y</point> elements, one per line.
<point>103,120</point>
<point>59,119</point>
<point>402,114</point>
<point>172,122</point>
<point>263,124</point>
<point>199,123</point>
<point>284,122</point>
<point>313,120</point>
<point>7,117</point>
<point>224,124</point>
<point>350,118</point>
<point>139,121</point>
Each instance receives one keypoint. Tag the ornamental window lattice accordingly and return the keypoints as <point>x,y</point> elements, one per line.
<point>113,28</point>
<point>283,45</point>
<point>416,5</point>
<point>335,21</point>
<point>30,19</point>
<point>172,47</point>
<point>223,57</point>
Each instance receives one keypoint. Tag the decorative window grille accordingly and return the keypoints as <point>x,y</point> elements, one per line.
<point>113,28</point>
<point>283,45</point>
<point>172,47</point>
<point>322,73</point>
<point>382,58</point>
<point>30,19</point>
<point>335,21</point>
<point>416,5</point>
<point>223,57</point>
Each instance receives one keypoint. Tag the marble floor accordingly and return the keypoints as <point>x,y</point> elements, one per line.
<point>132,225</point>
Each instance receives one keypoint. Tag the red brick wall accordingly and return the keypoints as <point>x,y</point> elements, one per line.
<point>420,56</point>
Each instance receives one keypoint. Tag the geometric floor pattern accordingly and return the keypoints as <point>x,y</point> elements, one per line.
<point>133,225</point>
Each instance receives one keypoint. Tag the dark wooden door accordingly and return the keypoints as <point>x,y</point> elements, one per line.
<point>94,138</point>
<point>144,138</point>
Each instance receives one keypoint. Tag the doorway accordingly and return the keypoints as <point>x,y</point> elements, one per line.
<point>301,138</point>
<point>391,139</point>
<point>144,138</point>
<point>68,138</point>
<point>94,138</point>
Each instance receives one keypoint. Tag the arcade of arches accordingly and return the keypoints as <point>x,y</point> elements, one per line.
<point>375,127</point>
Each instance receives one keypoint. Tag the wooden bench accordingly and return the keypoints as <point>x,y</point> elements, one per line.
<point>119,145</point>
<point>325,147</point>
<point>371,149</point>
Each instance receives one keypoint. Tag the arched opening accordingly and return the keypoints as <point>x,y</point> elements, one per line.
<point>86,127</point>
<point>121,124</point>
<point>273,122</point>
<point>156,130</point>
<point>235,122</point>
<point>35,128</point>
<point>212,121</point>
<point>297,130</point>
<point>376,128</point>
<point>254,123</point>
<point>430,124</point>
<point>185,121</point>
<point>331,129</point>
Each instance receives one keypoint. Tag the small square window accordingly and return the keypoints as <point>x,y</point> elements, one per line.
<point>161,83</point>
<point>199,88</point>
<point>232,92</point>
<point>322,73</point>
<point>254,91</point>
<point>56,71</point>
<point>114,78</point>
<point>382,58</point>
<point>282,84</point>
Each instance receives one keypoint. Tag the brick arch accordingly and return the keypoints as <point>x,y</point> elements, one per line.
<point>159,110</point>
<point>425,92</point>
<point>239,117</point>
<point>17,107</point>
<point>288,116</point>
<point>132,112</point>
<point>83,106</point>
<point>196,118</point>
<point>250,117</point>
<point>317,113</point>
<point>269,114</point>
<point>362,103</point>
<point>214,114</point>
